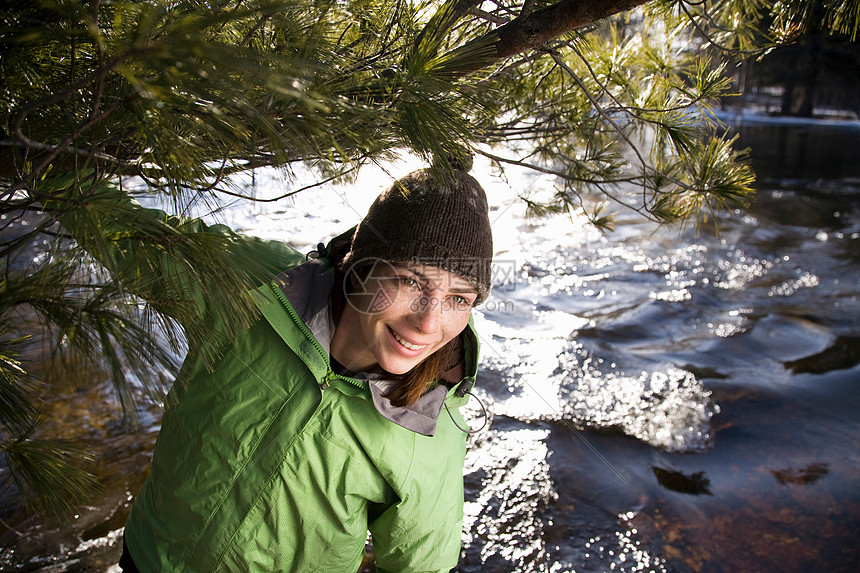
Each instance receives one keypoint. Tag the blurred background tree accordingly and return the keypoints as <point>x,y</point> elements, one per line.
<point>817,74</point>
<point>182,94</point>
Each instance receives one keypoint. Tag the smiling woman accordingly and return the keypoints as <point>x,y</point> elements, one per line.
<point>400,316</point>
<point>419,261</point>
<point>324,420</point>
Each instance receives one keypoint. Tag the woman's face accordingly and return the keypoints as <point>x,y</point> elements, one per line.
<point>398,315</point>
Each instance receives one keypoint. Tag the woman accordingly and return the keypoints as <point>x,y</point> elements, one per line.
<point>336,412</point>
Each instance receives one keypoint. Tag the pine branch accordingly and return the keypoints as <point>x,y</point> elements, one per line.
<point>533,30</point>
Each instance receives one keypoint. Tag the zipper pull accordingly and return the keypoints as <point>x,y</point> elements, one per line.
<point>325,382</point>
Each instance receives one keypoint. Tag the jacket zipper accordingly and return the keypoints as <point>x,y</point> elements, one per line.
<point>330,374</point>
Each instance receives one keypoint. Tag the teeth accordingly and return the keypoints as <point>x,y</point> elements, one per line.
<point>408,345</point>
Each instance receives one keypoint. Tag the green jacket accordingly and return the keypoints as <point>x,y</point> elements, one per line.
<point>268,461</point>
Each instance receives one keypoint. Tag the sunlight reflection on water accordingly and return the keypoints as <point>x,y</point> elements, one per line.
<point>606,360</point>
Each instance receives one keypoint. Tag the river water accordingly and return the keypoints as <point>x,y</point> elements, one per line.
<point>658,399</point>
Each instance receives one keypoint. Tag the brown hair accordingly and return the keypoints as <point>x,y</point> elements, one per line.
<point>424,376</point>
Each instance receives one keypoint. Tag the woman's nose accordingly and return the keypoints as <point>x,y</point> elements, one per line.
<point>425,314</point>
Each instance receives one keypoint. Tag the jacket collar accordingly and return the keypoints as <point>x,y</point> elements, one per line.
<point>305,292</point>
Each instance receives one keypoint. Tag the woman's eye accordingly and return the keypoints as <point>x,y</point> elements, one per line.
<point>408,282</point>
<point>461,301</point>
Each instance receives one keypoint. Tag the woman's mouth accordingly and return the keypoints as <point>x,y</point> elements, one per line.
<point>407,344</point>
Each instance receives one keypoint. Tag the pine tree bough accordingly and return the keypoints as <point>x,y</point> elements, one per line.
<point>533,30</point>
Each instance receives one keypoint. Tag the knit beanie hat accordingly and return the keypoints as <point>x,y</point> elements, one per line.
<point>429,217</point>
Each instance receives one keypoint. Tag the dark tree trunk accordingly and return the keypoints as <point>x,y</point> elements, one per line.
<point>797,99</point>
<point>533,30</point>
<point>799,87</point>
